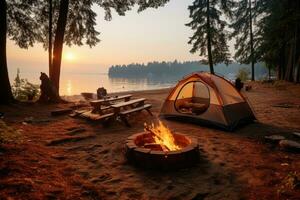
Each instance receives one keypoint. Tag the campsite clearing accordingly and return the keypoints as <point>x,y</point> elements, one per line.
<point>234,165</point>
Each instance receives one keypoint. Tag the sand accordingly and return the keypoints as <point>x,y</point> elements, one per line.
<point>86,160</point>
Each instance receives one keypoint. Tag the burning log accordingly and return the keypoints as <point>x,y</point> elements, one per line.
<point>164,147</point>
<point>162,135</point>
<point>156,146</point>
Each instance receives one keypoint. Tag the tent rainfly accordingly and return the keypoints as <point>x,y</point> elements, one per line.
<point>207,98</point>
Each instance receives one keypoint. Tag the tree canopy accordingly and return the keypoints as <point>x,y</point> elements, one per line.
<point>17,23</point>
<point>278,28</point>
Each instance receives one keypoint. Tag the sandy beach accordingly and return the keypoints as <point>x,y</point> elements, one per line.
<point>87,161</point>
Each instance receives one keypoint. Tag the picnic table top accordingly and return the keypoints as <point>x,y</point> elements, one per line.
<point>127,103</point>
<point>110,99</point>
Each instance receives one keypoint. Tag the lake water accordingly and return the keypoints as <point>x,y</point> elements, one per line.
<point>76,83</point>
<point>72,84</point>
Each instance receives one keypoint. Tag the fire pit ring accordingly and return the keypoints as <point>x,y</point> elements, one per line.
<point>152,157</point>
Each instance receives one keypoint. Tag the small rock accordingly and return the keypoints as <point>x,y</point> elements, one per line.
<point>274,138</point>
<point>296,134</point>
<point>28,120</point>
<point>290,145</point>
<point>284,164</point>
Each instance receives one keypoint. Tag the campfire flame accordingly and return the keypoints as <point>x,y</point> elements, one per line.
<point>162,136</point>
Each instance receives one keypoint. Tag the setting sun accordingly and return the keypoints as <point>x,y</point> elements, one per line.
<point>70,56</point>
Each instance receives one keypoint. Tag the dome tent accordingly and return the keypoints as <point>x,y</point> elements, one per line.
<point>208,98</point>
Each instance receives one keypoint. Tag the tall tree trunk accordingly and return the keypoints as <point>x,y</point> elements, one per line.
<point>50,38</point>
<point>58,42</point>
<point>289,64</point>
<point>251,43</point>
<point>269,68</point>
<point>297,76</point>
<point>210,61</point>
<point>278,69</point>
<point>282,62</point>
<point>296,50</point>
<point>5,88</point>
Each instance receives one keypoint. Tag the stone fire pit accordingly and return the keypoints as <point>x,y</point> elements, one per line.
<point>142,151</point>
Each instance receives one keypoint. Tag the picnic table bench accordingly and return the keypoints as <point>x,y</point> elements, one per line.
<point>135,105</point>
<point>104,104</point>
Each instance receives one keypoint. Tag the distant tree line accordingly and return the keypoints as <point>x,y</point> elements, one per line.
<point>177,69</point>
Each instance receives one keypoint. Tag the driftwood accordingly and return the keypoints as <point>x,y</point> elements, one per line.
<point>61,112</point>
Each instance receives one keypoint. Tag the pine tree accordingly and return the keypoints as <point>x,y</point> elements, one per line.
<point>50,27</point>
<point>247,40</point>
<point>210,36</point>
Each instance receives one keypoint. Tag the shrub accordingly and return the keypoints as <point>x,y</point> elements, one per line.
<point>24,90</point>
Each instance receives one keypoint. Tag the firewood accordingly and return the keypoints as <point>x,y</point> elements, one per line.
<point>152,133</point>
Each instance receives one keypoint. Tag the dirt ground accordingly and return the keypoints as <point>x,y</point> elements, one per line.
<point>70,158</point>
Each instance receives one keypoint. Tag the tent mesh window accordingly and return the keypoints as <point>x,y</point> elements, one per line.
<point>193,98</point>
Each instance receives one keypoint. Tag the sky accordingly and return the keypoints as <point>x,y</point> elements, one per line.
<point>152,35</point>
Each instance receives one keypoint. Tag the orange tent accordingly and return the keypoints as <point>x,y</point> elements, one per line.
<point>207,98</point>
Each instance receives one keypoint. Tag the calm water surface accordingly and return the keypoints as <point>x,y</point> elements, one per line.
<point>72,84</point>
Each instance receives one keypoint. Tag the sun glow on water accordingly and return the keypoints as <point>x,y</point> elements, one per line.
<point>69,87</point>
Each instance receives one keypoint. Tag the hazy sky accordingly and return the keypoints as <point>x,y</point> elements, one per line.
<point>153,35</point>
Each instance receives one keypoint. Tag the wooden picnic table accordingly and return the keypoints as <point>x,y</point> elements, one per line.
<point>96,104</point>
<point>117,107</point>
<point>120,111</point>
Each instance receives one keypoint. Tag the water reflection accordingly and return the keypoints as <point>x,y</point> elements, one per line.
<point>123,84</point>
<point>69,87</point>
<point>76,83</point>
